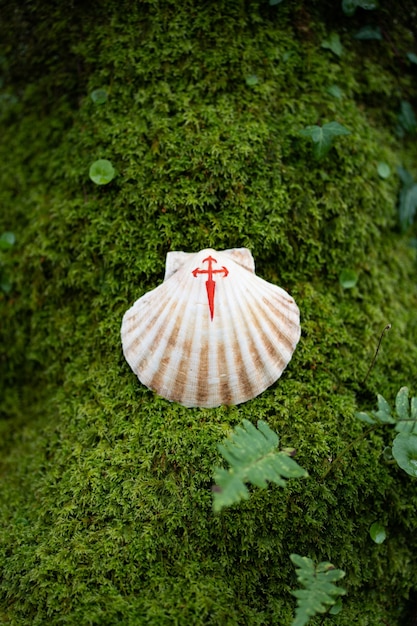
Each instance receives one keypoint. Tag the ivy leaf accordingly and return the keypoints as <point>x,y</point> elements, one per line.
<point>405,176</point>
<point>404,451</point>
<point>334,44</point>
<point>349,6</point>
<point>252,456</point>
<point>406,118</point>
<point>322,136</point>
<point>319,591</point>
<point>369,32</point>
<point>407,204</point>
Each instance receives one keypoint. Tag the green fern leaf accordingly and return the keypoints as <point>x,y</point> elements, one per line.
<point>253,458</point>
<point>405,419</point>
<point>320,592</point>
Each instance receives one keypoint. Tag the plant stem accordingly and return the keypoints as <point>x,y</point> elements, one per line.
<point>352,443</point>
<point>387,327</point>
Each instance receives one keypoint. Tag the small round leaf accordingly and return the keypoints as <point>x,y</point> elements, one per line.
<point>348,279</point>
<point>383,170</point>
<point>102,172</point>
<point>99,96</point>
<point>7,240</point>
<point>404,451</point>
<point>253,80</point>
<point>377,532</point>
<point>387,453</point>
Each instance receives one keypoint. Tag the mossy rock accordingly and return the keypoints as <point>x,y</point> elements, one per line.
<point>106,503</point>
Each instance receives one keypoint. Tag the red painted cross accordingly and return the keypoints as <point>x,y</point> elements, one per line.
<point>210,284</point>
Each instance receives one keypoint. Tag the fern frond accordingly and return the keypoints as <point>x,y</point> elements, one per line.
<point>405,420</point>
<point>253,458</point>
<point>320,592</point>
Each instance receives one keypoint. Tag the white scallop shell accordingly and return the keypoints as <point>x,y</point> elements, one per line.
<point>213,332</point>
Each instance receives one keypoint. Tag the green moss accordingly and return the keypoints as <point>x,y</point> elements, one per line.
<point>106,504</point>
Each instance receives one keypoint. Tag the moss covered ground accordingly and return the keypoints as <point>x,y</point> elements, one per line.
<point>106,505</point>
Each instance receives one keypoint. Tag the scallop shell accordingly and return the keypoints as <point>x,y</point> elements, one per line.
<point>213,332</point>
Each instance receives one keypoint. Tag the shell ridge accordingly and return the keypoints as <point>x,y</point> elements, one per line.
<point>266,360</point>
<point>273,358</point>
<point>158,378</point>
<point>284,302</point>
<point>242,257</point>
<point>200,368</point>
<point>151,330</point>
<point>227,379</point>
<point>135,326</point>
<point>255,330</point>
<point>240,347</point>
<point>184,387</point>
<point>153,346</point>
<point>172,379</point>
<point>262,286</point>
<point>286,325</point>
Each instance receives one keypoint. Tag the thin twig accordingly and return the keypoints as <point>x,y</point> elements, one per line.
<point>387,327</point>
<point>343,452</point>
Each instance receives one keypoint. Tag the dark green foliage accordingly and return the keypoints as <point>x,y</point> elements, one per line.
<point>407,119</point>
<point>7,240</point>
<point>334,44</point>
<point>322,137</point>
<point>350,6</point>
<point>369,32</point>
<point>404,447</point>
<point>106,505</point>
<point>405,419</point>
<point>253,458</point>
<point>319,592</point>
<point>407,204</point>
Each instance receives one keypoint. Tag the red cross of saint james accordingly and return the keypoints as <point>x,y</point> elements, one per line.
<point>210,284</point>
